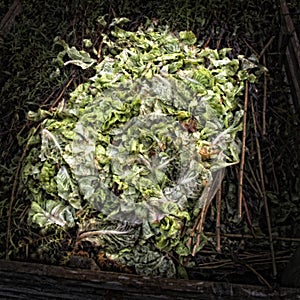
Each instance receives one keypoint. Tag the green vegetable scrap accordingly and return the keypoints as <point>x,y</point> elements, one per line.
<point>141,144</point>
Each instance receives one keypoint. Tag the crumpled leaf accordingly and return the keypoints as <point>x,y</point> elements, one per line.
<point>146,261</point>
<point>188,37</point>
<point>52,212</point>
<point>77,57</point>
<point>67,189</point>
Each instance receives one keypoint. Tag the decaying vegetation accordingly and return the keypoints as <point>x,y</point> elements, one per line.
<point>58,60</point>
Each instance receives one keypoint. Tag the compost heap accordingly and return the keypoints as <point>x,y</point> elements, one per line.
<point>139,149</point>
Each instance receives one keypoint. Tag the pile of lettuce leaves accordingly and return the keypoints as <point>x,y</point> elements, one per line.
<point>135,153</point>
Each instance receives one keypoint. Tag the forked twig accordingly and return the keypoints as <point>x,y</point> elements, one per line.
<point>193,231</point>
<point>199,227</point>
<point>262,52</point>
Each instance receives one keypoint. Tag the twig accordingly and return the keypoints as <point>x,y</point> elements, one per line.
<point>192,234</point>
<point>99,52</point>
<point>264,194</point>
<point>251,184</point>
<point>218,221</point>
<point>250,47</point>
<point>216,265</point>
<point>242,164</point>
<point>49,97</point>
<point>248,216</point>
<point>220,39</point>
<point>63,91</point>
<point>254,177</point>
<point>264,131</point>
<point>199,227</point>
<point>258,275</point>
<point>262,52</point>
<point>273,171</point>
<point>207,42</point>
<point>12,198</point>
<point>9,18</point>
<point>250,236</point>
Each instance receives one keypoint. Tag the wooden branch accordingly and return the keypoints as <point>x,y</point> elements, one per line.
<point>290,29</point>
<point>9,18</point>
<point>292,50</point>
<point>22,280</point>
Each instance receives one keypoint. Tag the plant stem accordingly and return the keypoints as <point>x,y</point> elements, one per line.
<point>264,193</point>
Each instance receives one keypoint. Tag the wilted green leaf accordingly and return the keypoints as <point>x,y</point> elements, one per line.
<point>144,142</point>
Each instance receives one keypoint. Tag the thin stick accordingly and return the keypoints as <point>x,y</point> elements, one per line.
<point>99,56</point>
<point>200,226</point>
<point>12,198</point>
<point>250,47</point>
<point>273,171</point>
<point>241,176</point>
<point>264,194</point>
<point>62,92</point>
<point>220,39</point>
<point>251,183</point>
<point>251,237</point>
<point>254,177</point>
<point>192,234</point>
<point>207,42</point>
<point>258,275</point>
<point>264,131</point>
<point>262,52</point>
<point>218,221</point>
<point>49,97</point>
<point>248,215</point>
